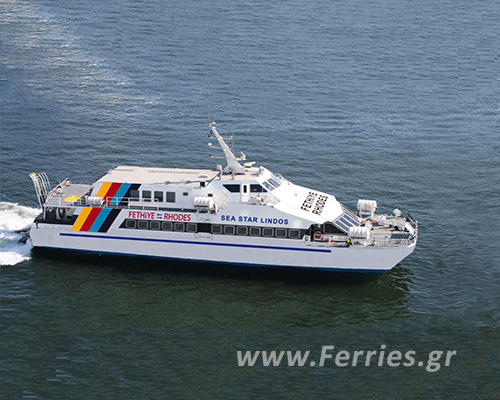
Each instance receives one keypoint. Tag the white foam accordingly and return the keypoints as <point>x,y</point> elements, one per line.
<point>14,217</point>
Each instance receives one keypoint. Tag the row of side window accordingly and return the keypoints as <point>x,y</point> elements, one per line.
<point>215,229</point>
<point>160,226</point>
<point>156,196</point>
<point>256,231</point>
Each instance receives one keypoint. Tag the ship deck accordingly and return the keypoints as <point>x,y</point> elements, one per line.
<point>70,194</point>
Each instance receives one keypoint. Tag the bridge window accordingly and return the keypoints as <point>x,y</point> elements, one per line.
<point>146,195</point>
<point>232,188</point>
<point>271,183</point>
<point>268,186</point>
<point>257,189</point>
<point>274,181</point>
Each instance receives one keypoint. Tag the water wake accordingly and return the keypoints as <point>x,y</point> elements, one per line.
<point>14,217</point>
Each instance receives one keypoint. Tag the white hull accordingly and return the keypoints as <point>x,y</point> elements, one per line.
<point>239,214</point>
<point>205,247</point>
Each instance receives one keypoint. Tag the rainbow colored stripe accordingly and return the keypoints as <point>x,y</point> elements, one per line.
<point>93,219</point>
<point>113,193</point>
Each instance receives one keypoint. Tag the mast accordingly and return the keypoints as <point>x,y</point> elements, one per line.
<point>233,166</point>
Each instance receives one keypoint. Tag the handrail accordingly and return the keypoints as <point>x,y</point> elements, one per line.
<point>106,203</point>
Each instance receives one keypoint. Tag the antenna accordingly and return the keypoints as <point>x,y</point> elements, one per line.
<point>233,166</point>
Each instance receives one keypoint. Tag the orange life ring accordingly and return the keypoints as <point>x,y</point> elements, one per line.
<point>317,235</point>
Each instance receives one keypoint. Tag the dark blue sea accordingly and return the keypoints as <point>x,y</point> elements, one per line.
<point>396,101</point>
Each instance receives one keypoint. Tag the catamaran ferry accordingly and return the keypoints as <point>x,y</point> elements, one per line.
<point>237,214</point>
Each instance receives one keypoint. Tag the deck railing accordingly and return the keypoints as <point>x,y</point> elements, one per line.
<point>108,202</point>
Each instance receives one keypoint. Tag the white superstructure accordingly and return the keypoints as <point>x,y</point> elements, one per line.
<point>239,214</point>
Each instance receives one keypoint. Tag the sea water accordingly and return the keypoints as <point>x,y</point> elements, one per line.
<point>396,101</point>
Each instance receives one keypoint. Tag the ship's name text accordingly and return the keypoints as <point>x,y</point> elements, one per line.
<point>255,220</point>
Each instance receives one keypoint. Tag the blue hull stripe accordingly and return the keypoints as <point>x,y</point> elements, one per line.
<point>250,246</point>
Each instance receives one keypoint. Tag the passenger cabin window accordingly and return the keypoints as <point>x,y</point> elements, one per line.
<point>179,227</point>
<point>191,227</point>
<point>294,234</point>
<point>166,226</point>
<point>280,233</point>
<point>267,232</point>
<point>159,197</point>
<point>242,230</point>
<point>170,197</point>
<point>229,230</point>
<point>130,224</point>
<point>146,195</point>
<point>232,188</point>
<point>154,225</point>
<point>257,189</point>
<point>216,228</point>
<point>254,231</point>
<point>142,224</point>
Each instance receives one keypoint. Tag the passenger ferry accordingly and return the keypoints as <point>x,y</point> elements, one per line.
<point>236,214</point>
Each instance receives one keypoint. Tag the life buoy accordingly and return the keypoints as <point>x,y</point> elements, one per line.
<point>317,235</point>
